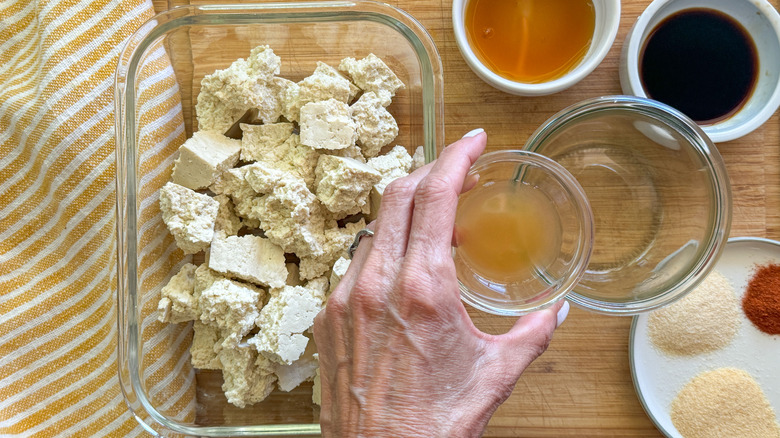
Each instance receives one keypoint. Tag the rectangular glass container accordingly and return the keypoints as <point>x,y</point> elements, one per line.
<point>170,396</point>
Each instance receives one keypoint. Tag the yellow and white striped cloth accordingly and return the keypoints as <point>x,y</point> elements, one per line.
<point>58,337</point>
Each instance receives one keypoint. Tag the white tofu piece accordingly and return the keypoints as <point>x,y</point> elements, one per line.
<point>395,164</point>
<point>248,377</point>
<point>376,127</point>
<point>352,151</point>
<point>230,306</point>
<point>288,314</point>
<point>205,342</point>
<point>289,214</point>
<point>204,278</point>
<point>189,216</point>
<point>343,184</point>
<point>289,377</point>
<point>325,83</point>
<point>250,258</point>
<point>227,221</point>
<point>203,157</point>
<point>372,74</point>
<point>177,303</point>
<point>418,158</point>
<point>335,245</point>
<point>226,95</point>
<point>260,142</point>
<point>289,156</point>
<point>327,125</point>
<point>337,273</point>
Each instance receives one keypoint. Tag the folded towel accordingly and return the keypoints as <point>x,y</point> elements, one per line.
<point>58,338</point>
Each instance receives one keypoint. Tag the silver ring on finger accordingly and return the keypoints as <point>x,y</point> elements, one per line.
<point>360,234</point>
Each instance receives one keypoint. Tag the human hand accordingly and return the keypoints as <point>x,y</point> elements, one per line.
<point>399,355</point>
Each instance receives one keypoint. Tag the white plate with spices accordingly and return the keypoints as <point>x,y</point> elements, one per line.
<point>658,377</point>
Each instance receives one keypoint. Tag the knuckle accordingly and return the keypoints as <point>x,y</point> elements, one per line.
<point>435,188</point>
<point>399,190</point>
<point>366,297</point>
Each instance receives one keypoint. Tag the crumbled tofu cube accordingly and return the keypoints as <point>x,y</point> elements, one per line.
<point>214,114</point>
<point>352,151</point>
<point>418,159</point>
<point>335,245</point>
<point>288,212</point>
<point>250,258</point>
<point>177,303</point>
<point>337,273</point>
<point>260,142</point>
<point>343,184</point>
<point>231,306</point>
<point>227,221</point>
<point>290,156</point>
<point>288,314</point>
<point>203,354</point>
<point>327,125</point>
<point>203,157</point>
<point>288,377</point>
<point>189,216</point>
<point>372,74</point>
<point>376,127</point>
<point>247,84</point>
<point>204,278</point>
<point>232,183</point>
<point>395,164</point>
<point>248,377</point>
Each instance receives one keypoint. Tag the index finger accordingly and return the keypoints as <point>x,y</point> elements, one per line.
<point>436,198</point>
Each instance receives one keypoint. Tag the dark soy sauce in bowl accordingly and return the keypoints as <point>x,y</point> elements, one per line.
<point>702,62</point>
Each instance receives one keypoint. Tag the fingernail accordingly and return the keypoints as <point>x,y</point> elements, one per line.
<point>563,312</point>
<point>473,133</point>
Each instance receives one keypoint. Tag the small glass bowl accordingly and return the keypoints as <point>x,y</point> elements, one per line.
<point>164,392</point>
<point>659,193</point>
<point>551,273</point>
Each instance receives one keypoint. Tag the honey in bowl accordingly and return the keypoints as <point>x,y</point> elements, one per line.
<point>530,41</point>
<point>506,229</point>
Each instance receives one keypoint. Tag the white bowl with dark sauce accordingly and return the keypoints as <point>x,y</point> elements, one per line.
<point>717,61</point>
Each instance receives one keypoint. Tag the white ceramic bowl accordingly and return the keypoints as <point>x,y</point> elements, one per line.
<point>606,27</point>
<point>759,19</point>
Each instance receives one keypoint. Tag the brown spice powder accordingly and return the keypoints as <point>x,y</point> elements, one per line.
<point>705,320</point>
<point>726,403</point>
<point>762,299</point>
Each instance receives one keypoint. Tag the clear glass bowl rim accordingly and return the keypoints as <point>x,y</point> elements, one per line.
<point>581,205</point>
<point>720,188</point>
<point>130,57</point>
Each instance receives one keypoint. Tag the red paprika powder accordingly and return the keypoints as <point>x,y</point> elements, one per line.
<point>762,299</point>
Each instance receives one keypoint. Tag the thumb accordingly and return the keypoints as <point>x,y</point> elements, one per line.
<point>530,336</point>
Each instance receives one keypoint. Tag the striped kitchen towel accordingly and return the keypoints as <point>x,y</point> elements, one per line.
<point>58,336</point>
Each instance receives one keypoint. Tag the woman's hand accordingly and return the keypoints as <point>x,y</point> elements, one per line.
<point>399,355</point>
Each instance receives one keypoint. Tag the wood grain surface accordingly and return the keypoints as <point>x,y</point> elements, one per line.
<point>581,387</point>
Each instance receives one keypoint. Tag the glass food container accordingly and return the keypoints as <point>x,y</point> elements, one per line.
<point>173,397</point>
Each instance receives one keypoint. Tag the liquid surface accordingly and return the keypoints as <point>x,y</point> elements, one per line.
<point>530,41</point>
<point>504,230</point>
<point>701,62</point>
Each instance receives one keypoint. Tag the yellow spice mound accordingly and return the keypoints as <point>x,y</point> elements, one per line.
<point>705,320</point>
<point>727,403</point>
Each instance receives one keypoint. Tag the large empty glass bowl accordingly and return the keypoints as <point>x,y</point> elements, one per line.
<point>659,194</point>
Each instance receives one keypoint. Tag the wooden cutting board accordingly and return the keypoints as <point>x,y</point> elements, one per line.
<point>581,387</point>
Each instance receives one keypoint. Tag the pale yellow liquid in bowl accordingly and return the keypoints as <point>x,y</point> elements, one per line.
<point>506,230</point>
